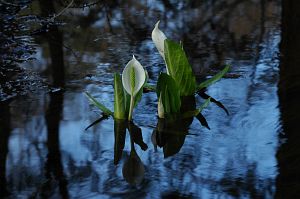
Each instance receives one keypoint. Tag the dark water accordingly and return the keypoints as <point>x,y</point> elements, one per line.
<point>46,153</point>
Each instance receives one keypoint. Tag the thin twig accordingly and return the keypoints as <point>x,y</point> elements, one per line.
<point>11,4</point>
<point>87,5</point>
<point>62,11</point>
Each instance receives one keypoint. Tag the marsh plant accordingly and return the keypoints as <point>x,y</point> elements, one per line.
<point>128,90</point>
<point>179,81</point>
<point>175,89</point>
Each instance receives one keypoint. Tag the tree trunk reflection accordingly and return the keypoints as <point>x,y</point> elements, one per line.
<point>288,182</point>
<point>54,167</point>
<point>4,133</point>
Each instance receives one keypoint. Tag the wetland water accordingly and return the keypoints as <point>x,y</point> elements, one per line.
<point>45,151</point>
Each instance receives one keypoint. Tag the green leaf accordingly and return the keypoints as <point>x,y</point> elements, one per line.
<point>127,102</point>
<point>99,105</point>
<point>120,100</point>
<point>167,100</point>
<point>168,90</point>
<point>218,103</point>
<point>197,111</point>
<point>204,105</point>
<point>214,79</point>
<point>179,68</point>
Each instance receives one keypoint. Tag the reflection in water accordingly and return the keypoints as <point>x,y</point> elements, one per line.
<point>53,165</point>
<point>4,133</point>
<point>133,169</point>
<point>235,159</point>
<point>55,41</point>
<point>170,134</point>
<point>288,185</point>
<point>120,127</point>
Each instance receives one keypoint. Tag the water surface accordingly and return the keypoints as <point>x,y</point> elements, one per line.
<point>46,152</point>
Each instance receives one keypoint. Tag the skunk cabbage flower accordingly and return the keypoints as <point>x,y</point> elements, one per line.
<point>158,38</point>
<point>133,77</point>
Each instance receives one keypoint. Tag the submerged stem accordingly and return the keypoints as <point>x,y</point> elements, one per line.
<point>132,149</point>
<point>131,108</point>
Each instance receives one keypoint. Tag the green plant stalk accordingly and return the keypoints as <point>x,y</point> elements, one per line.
<point>131,108</point>
<point>214,79</point>
<point>119,99</point>
<point>99,105</point>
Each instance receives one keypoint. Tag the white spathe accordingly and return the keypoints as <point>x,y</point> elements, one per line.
<point>158,38</point>
<point>160,108</point>
<point>140,76</point>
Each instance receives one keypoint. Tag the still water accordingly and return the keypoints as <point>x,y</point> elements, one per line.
<point>47,153</point>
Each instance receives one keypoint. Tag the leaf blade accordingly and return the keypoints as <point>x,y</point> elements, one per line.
<point>197,111</point>
<point>167,90</point>
<point>120,101</point>
<point>218,103</point>
<point>179,68</point>
<point>99,105</point>
<point>214,79</point>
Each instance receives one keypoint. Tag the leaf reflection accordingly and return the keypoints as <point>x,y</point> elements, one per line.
<point>120,127</point>
<point>120,135</point>
<point>170,133</point>
<point>203,95</point>
<point>136,135</point>
<point>133,169</point>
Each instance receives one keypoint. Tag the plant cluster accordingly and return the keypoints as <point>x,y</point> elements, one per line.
<point>172,88</point>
